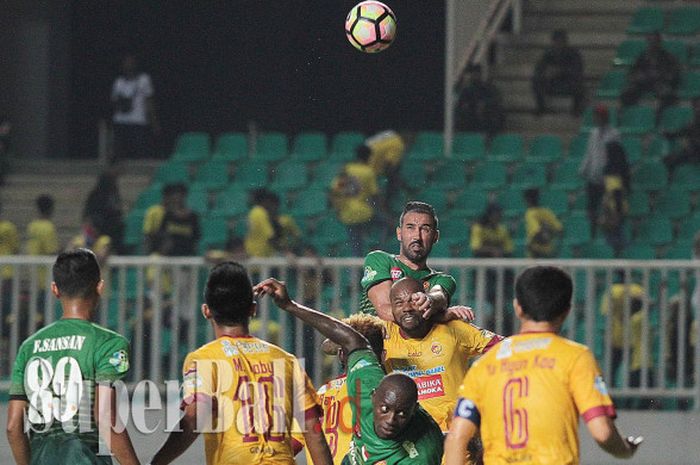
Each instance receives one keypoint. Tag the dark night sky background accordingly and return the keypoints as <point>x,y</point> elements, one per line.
<point>283,63</point>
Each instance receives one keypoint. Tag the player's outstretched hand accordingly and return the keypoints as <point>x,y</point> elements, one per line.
<point>275,289</point>
<point>423,303</point>
<point>458,312</point>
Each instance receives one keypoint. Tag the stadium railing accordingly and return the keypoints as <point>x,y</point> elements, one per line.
<point>156,302</point>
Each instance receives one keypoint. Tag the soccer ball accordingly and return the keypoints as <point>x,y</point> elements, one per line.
<point>370,26</point>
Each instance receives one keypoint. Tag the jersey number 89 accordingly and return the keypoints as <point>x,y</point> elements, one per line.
<point>53,393</point>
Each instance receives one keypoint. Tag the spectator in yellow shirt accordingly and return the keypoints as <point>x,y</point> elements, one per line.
<point>269,233</point>
<point>41,232</point>
<point>9,245</point>
<point>490,238</point>
<point>542,227</point>
<point>353,194</point>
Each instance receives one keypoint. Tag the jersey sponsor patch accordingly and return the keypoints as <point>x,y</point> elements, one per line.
<point>467,409</point>
<point>369,274</point>
<point>229,349</point>
<point>359,364</point>
<point>120,361</point>
<point>396,273</point>
<point>600,385</point>
<point>430,386</point>
<point>436,348</point>
<point>410,448</point>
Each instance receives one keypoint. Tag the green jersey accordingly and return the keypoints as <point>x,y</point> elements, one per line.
<point>381,266</point>
<point>421,443</point>
<point>56,371</point>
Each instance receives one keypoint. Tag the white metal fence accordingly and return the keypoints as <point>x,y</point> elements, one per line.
<point>156,303</point>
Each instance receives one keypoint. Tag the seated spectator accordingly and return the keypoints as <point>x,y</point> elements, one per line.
<point>9,245</point>
<point>559,72</point>
<point>656,71</point>
<point>269,232</point>
<point>172,229</point>
<point>542,227</point>
<point>593,165</point>
<point>234,251</point>
<point>489,237</point>
<point>5,131</point>
<point>104,210</point>
<point>615,207</point>
<point>479,107</point>
<point>690,150</point>
<point>353,194</point>
<point>41,232</point>
<point>92,238</point>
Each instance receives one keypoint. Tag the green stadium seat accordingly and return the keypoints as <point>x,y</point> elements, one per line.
<point>435,196</point>
<point>598,249</point>
<point>231,146</point>
<point>133,230</point>
<point>152,195</point>
<point>577,231</point>
<point>566,176</point>
<point>689,227</point>
<point>193,142</point>
<point>469,146</point>
<point>449,175</point>
<point>633,148</point>
<point>611,85</point>
<point>587,123</point>
<point>507,147</point>
<point>512,202</point>
<point>529,174</point>
<point>331,231</point>
<point>325,172</point>
<point>213,174</point>
<point>646,21</point>
<point>674,119</point>
<point>453,229</point>
<point>628,52</point>
<point>215,233</point>
<point>683,21</point>
<point>556,200</point>
<point>650,176</point>
<point>674,203</point>
<point>637,119</point>
<point>577,147</point>
<point>271,146</point>
<point>490,175</point>
<point>173,172</point>
<point>252,174</point>
<point>413,173</point>
<point>470,203</point>
<point>656,230</point>
<point>638,202</point>
<point>310,202</point>
<point>687,177</point>
<point>441,249</point>
<point>344,145</point>
<point>198,199</point>
<point>678,49</point>
<point>428,145</point>
<point>231,202</point>
<point>190,157</point>
<point>309,146</point>
<point>545,149</point>
<point>639,252</point>
<point>658,148</point>
<point>289,175</point>
<point>689,87</point>
<point>695,55</point>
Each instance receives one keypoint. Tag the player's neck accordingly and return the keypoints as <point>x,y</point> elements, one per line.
<point>412,265</point>
<point>231,331</point>
<point>80,309</point>
<point>416,333</point>
<point>529,326</point>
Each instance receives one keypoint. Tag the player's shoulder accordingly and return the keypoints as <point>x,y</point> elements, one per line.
<point>379,255</point>
<point>107,334</point>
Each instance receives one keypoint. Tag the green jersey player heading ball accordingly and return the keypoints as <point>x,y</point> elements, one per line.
<point>62,378</point>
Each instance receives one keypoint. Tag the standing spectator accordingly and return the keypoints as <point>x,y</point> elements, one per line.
<point>559,72</point>
<point>479,107</point>
<point>690,151</point>
<point>5,131</point>
<point>104,210</point>
<point>134,112</point>
<point>177,233</point>
<point>657,71</point>
<point>353,194</point>
<point>41,232</point>
<point>9,245</point>
<point>91,237</point>
<point>542,227</point>
<point>615,206</point>
<point>386,152</point>
<point>593,165</point>
<point>269,232</point>
<point>490,238</point>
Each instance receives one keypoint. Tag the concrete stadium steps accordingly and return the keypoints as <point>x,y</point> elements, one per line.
<point>69,182</point>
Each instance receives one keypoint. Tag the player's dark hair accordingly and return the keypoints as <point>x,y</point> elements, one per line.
<point>362,152</point>
<point>44,203</point>
<point>532,196</point>
<point>418,207</point>
<point>544,292</point>
<point>176,188</point>
<point>76,273</point>
<point>229,294</point>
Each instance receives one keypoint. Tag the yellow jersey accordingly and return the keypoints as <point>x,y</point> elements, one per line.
<point>337,418</point>
<point>541,230</point>
<point>258,241</point>
<point>615,299</point>
<point>152,219</point>
<point>386,150</point>
<point>9,245</point>
<point>527,395</point>
<point>41,238</point>
<point>352,200</point>
<point>259,394</point>
<point>482,235</point>
<point>437,362</point>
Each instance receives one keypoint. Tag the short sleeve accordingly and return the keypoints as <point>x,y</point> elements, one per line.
<point>153,219</point>
<point>198,379</point>
<point>112,362</point>
<point>377,268</point>
<point>476,239</point>
<point>589,390</point>
<point>469,392</point>
<point>472,339</point>
<point>259,225</point>
<point>17,381</point>
<point>363,366</point>
<point>447,283</point>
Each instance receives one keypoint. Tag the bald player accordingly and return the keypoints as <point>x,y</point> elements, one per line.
<point>389,425</point>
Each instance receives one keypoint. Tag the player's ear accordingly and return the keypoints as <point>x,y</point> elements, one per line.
<point>518,309</point>
<point>398,233</point>
<point>100,287</point>
<point>437,236</point>
<point>54,290</point>
<point>253,310</point>
<point>206,311</point>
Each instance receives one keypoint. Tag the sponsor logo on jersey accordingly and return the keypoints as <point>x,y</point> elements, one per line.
<point>252,347</point>
<point>59,343</point>
<point>436,348</point>
<point>396,273</point>
<point>411,449</point>
<point>360,364</point>
<point>429,387</point>
<point>600,385</point>
<point>505,349</point>
<point>369,275</point>
<point>120,361</point>
<point>229,349</point>
<point>191,380</point>
<point>414,372</point>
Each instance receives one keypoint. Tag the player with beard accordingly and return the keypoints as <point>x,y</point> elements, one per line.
<point>417,233</point>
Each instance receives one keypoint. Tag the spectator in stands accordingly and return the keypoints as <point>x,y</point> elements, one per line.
<point>593,165</point>
<point>542,227</point>
<point>134,112</point>
<point>93,238</point>
<point>559,72</point>
<point>353,195</point>
<point>41,232</point>
<point>479,107</point>
<point>614,210</point>
<point>103,209</point>
<point>5,131</point>
<point>9,245</point>
<point>234,251</point>
<point>656,71</point>
<point>172,229</point>
<point>269,232</point>
<point>690,150</point>
<point>490,238</point>
<point>386,152</point>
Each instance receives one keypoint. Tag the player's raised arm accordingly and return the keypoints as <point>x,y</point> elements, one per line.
<point>19,442</point>
<point>332,328</point>
<point>607,436</point>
